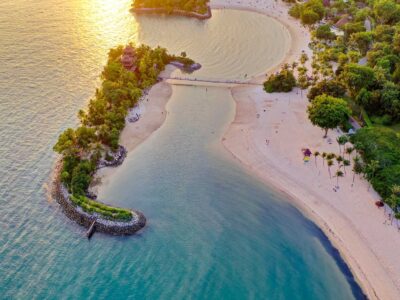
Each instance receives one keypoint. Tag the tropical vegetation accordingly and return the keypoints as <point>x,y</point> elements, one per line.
<point>328,112</point>
<point>284,81</point>
<point>356,57</point>
<point>197,6</point>
<point>96,138</point>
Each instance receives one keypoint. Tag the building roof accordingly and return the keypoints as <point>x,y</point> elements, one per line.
<point>343,21</point>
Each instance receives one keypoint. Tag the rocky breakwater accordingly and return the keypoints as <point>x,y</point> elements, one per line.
<point>189,69</point>
<point>84,218</point>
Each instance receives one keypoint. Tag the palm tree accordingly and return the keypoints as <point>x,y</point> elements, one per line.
<point>346,163</point>
<point>316,154</point>
<point>294,65</point>
<point>330,156</point>
<point>338,174</point>
<point>323,158</point>
<point>342,140</point>
<point>349,150</point>
<point>370,170</point>
<point>339,160</point>
<point>394,199</point>
<point>357,166</point>
<point>330,164</point>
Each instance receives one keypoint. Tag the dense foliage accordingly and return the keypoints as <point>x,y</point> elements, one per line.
<point>106,211</point>
<point>309,12</point>
<point>381,147</point>
<point>356,56</point>
<point>104,119</point>
<point>284,81</point>
<point>198,6</point>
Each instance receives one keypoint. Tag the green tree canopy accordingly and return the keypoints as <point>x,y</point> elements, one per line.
<point>332,88</point>
<point>328,112</point>
<point>356,77</point>
<point>284,81</point>
<point>386,11</point>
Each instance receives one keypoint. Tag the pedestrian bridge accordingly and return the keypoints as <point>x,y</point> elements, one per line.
<point>208,82</point>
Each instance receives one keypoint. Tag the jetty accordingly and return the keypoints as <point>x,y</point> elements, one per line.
<point>91,229</point>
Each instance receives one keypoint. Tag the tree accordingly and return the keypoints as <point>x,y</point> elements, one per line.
<point>394,199</point>
<point>85,136</point>
<point>338,174</point>
<point>362,40</point>
<point>328,112</point>
<point>284,81</point>
<point>342,140</point>
<point>66,143</point>
<point>370,169</point>
<point>356,77</point>
<point>346,163</point>
<point>302,79</point>
<point>357,166</point>
<point>349,151</point>
<point>309,12</point>
<point>391,99</point>
<point>339,160</point>
<point>303,58</point>
<point>330,164</point>
<point>324,32</point>
<point>332,88</point>
<point>316,154</point>
<point>386,11</point>
<point>323,155</point>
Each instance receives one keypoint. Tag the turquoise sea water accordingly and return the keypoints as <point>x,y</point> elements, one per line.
<point>214,231</point>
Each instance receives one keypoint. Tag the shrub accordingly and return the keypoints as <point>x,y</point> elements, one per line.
<point>284,81</point>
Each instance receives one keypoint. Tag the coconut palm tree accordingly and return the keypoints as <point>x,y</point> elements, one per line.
<point>329,162</point>
<point>357,166</point>
<point>342,140</point>
<point>338,174</point>
<point>394,199</point>
<point>339,160</point>
<point>349,151</point>
<point>346,163</point>
<point>294,65</point>
<point>330,156</point>
<point>316,154</point>
<point>323,155</point>
<point>370,170</point>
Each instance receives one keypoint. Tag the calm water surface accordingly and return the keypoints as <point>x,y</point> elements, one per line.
<point>214,232</point>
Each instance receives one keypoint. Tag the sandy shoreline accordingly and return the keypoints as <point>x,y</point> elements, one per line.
<point>348,217</point>
<point>270,147</point>
<point>153,115</point>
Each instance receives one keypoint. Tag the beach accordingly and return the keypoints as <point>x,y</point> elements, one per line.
<point>266,137</point>
<point>270,147</point>
<point>152,116</point>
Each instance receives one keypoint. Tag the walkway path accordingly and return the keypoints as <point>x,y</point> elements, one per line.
<point>207,82</point>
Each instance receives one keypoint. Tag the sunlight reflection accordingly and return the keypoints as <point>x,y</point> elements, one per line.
<point>109,22</point>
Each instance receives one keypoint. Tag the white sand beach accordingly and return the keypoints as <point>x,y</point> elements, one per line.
<point>270,147</point>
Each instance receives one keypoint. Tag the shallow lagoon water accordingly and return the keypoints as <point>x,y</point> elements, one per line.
<point>214,231</point>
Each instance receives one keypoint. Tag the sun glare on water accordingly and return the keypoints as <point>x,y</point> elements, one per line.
<point>110,20</point>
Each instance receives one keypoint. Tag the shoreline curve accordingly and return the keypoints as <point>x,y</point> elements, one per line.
<point>372,276</point>
<point>370,273</point>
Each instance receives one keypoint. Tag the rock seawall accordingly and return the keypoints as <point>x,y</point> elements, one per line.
<point>177,12</point>
<point>75,213</point>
